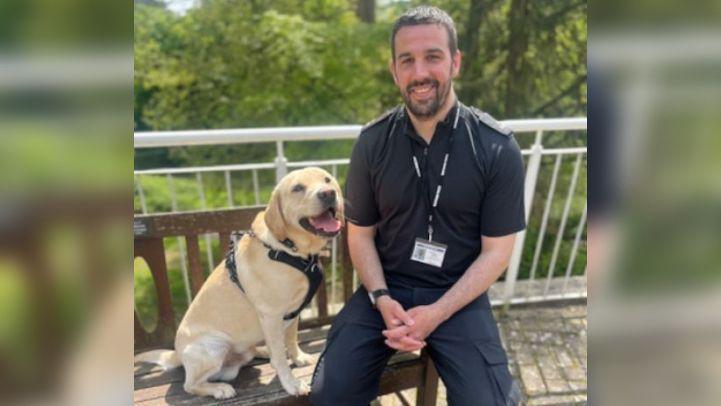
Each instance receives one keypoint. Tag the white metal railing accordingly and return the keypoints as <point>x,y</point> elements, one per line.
<point>533,290</point>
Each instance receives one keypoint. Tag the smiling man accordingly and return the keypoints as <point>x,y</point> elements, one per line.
<point>434,198</point>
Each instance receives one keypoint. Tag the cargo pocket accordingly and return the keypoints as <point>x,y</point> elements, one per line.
<point>497,364</point>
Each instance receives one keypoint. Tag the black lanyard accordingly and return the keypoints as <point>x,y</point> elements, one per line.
<point>431,206</point>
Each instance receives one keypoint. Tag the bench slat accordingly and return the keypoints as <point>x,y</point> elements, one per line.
<point>194,267</point>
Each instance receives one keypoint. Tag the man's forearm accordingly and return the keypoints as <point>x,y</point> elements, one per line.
<point>366,262</point>
<point>482,273</point>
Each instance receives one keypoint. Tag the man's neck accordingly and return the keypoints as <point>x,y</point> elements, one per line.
<point>427,127</point>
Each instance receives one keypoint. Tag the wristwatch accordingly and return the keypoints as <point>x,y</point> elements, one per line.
<point>376,294</point>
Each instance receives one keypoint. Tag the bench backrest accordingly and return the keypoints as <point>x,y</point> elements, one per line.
<point>150,230</point>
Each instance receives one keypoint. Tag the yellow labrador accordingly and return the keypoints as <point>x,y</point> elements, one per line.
<point>227,320</point>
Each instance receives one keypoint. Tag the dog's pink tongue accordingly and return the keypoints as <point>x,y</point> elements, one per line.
<point>326,222</point>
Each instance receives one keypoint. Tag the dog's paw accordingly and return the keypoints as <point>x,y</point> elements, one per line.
<point>302,360</point>
<point>262,353</point>
<point>295,387</point>
<point>223,391</point>
<point>302,389</point>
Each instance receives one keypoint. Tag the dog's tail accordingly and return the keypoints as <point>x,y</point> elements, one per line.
<point>168,359</point>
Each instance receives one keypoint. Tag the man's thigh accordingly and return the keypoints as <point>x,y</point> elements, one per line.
<point>470,360</point>
<point>349,370</point>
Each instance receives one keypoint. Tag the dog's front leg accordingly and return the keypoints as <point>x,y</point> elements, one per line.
<point>272,326</point>
<point>299,358</point>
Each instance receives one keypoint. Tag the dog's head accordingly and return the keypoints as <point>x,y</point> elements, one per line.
<point>305,201</point>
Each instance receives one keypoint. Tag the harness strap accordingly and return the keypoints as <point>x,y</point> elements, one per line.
<point>310,267</point>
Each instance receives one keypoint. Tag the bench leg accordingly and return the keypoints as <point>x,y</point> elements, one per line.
<point>428,391</point>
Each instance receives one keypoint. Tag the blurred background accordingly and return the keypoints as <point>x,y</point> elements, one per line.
<point>654,202</point>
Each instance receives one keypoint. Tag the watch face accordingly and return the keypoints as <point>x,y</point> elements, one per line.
<point>373,299</point>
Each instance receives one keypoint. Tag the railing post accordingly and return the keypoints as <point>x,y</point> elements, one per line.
<point>281,163</point>
<point>534,165</point>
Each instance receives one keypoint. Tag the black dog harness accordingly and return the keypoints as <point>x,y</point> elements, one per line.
<point>310,267</point>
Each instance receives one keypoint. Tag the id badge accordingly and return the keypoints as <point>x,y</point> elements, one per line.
<point>429,252</point>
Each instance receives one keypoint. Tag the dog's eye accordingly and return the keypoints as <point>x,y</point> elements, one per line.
<point>298,188</point>
<point>327,179</point>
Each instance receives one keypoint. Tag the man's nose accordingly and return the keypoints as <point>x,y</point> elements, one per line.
<point>327,197</point>
<point>420,71</point>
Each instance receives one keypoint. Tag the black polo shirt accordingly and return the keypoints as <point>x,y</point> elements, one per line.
<point>482,191</point>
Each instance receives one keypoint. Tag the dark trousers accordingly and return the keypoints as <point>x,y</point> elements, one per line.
<point>466,350</point>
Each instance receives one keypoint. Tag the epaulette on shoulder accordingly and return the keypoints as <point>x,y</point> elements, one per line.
<point>379,119</point>
<point>486,119</point>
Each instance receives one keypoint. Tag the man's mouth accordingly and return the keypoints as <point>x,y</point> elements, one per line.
<point>422,89</point>
<point>325,224</point>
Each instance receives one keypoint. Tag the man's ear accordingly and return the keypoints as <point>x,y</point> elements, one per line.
<point>392,69</point>
<point>456,63</point>
<point>274,218</point>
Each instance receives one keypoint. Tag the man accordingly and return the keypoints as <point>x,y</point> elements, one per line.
<point>435,196</point>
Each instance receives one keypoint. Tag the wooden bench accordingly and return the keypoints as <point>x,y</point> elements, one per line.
<point>256,384</point>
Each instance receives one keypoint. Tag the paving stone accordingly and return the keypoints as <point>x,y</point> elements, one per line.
<point>564,358</point>
<point>532,381</point>
<point>578,385</point>
<point>575,373</point>
<point>557,400</point>
<point>557,386</point>
<point>524,357</point>
<point>548,367</point>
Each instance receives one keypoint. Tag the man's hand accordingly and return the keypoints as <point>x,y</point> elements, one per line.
<point>426,319</point>
<point>396,318</point>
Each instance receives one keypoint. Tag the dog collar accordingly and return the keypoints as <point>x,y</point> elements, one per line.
<point>310,267</point>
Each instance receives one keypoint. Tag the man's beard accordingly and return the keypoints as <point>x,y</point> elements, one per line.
<point>430,107</point>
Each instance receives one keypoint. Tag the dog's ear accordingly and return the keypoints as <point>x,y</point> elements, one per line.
<point>274,217</point>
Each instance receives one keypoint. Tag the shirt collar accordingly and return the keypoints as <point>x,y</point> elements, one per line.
<point>444,125</point>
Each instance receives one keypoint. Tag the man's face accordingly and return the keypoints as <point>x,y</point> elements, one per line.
<point>423,68</point>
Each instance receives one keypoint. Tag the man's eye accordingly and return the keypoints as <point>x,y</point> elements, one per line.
<point>298,188</point>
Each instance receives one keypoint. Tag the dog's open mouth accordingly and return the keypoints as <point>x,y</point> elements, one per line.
<point>325,224</point>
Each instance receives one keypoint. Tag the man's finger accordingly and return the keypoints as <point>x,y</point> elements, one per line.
<point>395,333</point>
<point>405,318</point>
<point>396,345</point>
<point>411,342</point>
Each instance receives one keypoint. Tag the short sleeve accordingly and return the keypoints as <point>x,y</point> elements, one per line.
<point>502,210</point>
<point>361,208</point>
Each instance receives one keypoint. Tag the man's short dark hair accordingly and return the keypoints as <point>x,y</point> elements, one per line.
<point>426,15</point>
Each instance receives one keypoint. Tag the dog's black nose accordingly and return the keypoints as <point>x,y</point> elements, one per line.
<point>327,197</point>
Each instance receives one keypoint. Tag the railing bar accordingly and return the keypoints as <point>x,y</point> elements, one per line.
<point>209,254</point>
<point>173,197</point>
<point>201,192</point>
<point>302,164</point>
<point>574,250</point>
<point>184,269</point>
<point>256,187</point>
<point>181,243</point>
<point>204,206</point>
<point>546,212</point>
<point>564,219</point>
<point>194,169</point>
<point>229,189</point>
<point>143,206</point>
<point>253,135</point>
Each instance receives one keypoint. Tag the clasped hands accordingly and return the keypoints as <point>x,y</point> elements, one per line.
<point>407,330</point>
